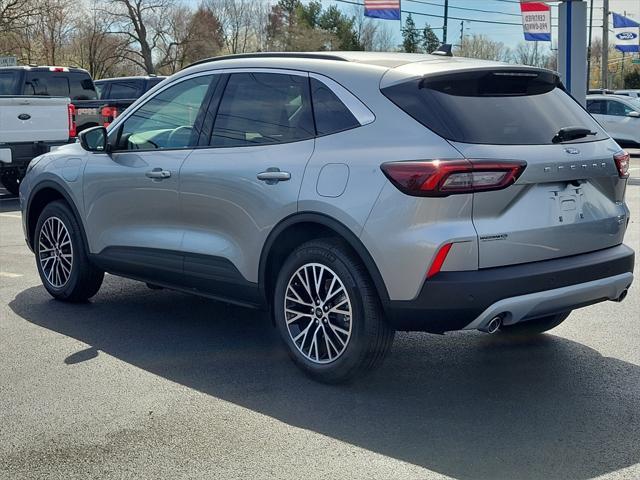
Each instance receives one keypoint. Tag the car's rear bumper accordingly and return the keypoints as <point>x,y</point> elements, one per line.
<point>459,300</point>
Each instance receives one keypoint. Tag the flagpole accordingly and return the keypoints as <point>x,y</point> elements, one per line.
<point>589,48</point>
<point>605,45</point>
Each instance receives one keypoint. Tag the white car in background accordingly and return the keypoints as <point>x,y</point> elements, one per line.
<point>619,115</point>
<point>629,93</point>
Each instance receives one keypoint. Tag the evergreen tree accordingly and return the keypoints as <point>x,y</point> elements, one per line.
<point>430,41</point>
<point>410,36</point>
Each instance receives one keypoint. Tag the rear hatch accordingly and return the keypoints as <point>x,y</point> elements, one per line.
<point>569,198</point>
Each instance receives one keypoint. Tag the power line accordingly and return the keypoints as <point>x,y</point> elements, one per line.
<point>412,12</point>
<point>422,2</point>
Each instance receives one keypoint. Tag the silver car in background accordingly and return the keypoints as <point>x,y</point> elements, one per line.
<point>619,115</point>
<point>350,195</point>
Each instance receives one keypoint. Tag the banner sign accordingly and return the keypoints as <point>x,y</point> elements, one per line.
<point>627,33</point>
<point>384,9</point>
<point>536,21</point>
<point>8,61</point>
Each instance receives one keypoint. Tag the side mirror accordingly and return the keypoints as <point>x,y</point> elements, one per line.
<point>94,139</point>
<point>633,114</point>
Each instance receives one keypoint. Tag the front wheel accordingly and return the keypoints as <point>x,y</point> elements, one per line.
<point>328,313</point>
<point>535,326</point>
<point>61,256</point>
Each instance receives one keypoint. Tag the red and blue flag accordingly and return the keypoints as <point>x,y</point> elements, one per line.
<point>385,9</point>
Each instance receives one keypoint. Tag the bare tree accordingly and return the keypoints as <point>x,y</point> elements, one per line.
<point>54,27</point>
<point>97,49</point>
<point>240,21</point>
<point>145,22</point>
<point>15,14</point>
<point>530,53</point>
<point>481,46</point>
<point>192,36</point>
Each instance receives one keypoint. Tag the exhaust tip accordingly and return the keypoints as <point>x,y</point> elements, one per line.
<point>623,295</point>
<point>494,325</point>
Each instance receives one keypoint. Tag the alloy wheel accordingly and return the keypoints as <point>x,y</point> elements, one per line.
<point>55,252</point>
<point>318,313</point>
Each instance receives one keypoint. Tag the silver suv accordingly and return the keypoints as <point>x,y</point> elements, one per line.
<point>349,194</point>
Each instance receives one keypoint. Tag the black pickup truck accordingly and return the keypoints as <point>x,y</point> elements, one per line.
<point>122,92</point>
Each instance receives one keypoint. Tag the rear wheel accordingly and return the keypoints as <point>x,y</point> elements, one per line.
<point>535,326</point>
<point>61,256</point>
<point>328,313</point>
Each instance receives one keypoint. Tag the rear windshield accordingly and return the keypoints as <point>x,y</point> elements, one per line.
<point>75,85</point>
<point>493,107</point>
<point>8,82</point>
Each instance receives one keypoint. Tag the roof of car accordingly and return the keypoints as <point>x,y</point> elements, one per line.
<point>609,96</point>
<point>133,77</point>
<point>384,59</point>
<point>43,68</point>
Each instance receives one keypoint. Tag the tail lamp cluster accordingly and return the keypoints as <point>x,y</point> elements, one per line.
<point>108,114</point>
<point>71,111</point>
<point>441,178</point>
<point>622,163</point>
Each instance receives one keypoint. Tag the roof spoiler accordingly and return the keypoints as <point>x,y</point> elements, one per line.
<point>444,50</point>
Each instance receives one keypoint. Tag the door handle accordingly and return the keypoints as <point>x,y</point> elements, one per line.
<point>273,175</point>
<point>158,174</point>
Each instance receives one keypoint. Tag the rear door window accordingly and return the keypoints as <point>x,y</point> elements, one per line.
<point>81,86</point>
<point>501,107</point>
<point>331,115</point>
<point>124,90</point>
<point>262,109</point>
<point>8,82</point>
<point>597,107</point>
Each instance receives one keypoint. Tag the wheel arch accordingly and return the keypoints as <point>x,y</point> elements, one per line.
<point>300,227</point>
<point>43,194</point>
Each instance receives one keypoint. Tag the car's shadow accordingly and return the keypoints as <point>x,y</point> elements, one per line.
<point>466,405</point>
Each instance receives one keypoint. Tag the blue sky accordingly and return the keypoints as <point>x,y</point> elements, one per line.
<point>506,11</point>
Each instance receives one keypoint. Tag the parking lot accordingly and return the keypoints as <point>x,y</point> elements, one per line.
<point>141,383</point>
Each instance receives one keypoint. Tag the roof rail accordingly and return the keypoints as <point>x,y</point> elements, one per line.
<point>317,56</point>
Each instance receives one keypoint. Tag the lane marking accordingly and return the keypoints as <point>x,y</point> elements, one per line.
<point>10,275</point>
<point>11,215</point>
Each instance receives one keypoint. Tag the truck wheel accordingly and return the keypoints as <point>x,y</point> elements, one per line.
<point>61,256</point>
<point>536,326</point>
<point>11,182</point>
<point>329,314</point>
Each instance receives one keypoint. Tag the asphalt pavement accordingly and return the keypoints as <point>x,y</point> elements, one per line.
<point>144,384</point>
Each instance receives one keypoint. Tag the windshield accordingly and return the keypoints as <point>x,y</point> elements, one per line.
<point>494,107</point>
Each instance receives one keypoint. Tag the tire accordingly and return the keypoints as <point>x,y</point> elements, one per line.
<point>61,256</point>
<point>350,332</point>
<point>535,326</point>
<point>11,182</point>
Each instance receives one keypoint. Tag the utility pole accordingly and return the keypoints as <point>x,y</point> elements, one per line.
<point>446,16</point>
<point>461,32</point>
<point>589,47</point>
<point>605,44</point>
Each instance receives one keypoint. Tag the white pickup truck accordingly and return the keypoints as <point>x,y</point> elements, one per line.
<point>31,126</point>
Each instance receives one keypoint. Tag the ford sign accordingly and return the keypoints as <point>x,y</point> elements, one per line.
<point>626,35</point>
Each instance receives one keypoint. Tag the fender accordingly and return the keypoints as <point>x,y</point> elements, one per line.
<point>63,190</point>
<point>340,229</point>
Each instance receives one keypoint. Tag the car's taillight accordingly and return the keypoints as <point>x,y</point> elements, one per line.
<point>109,114</point>
<point>440,178</point>
<point>72,120</point>
<point>622,163</point>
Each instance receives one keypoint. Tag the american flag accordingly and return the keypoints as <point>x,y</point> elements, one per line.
<point>385,9</point>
